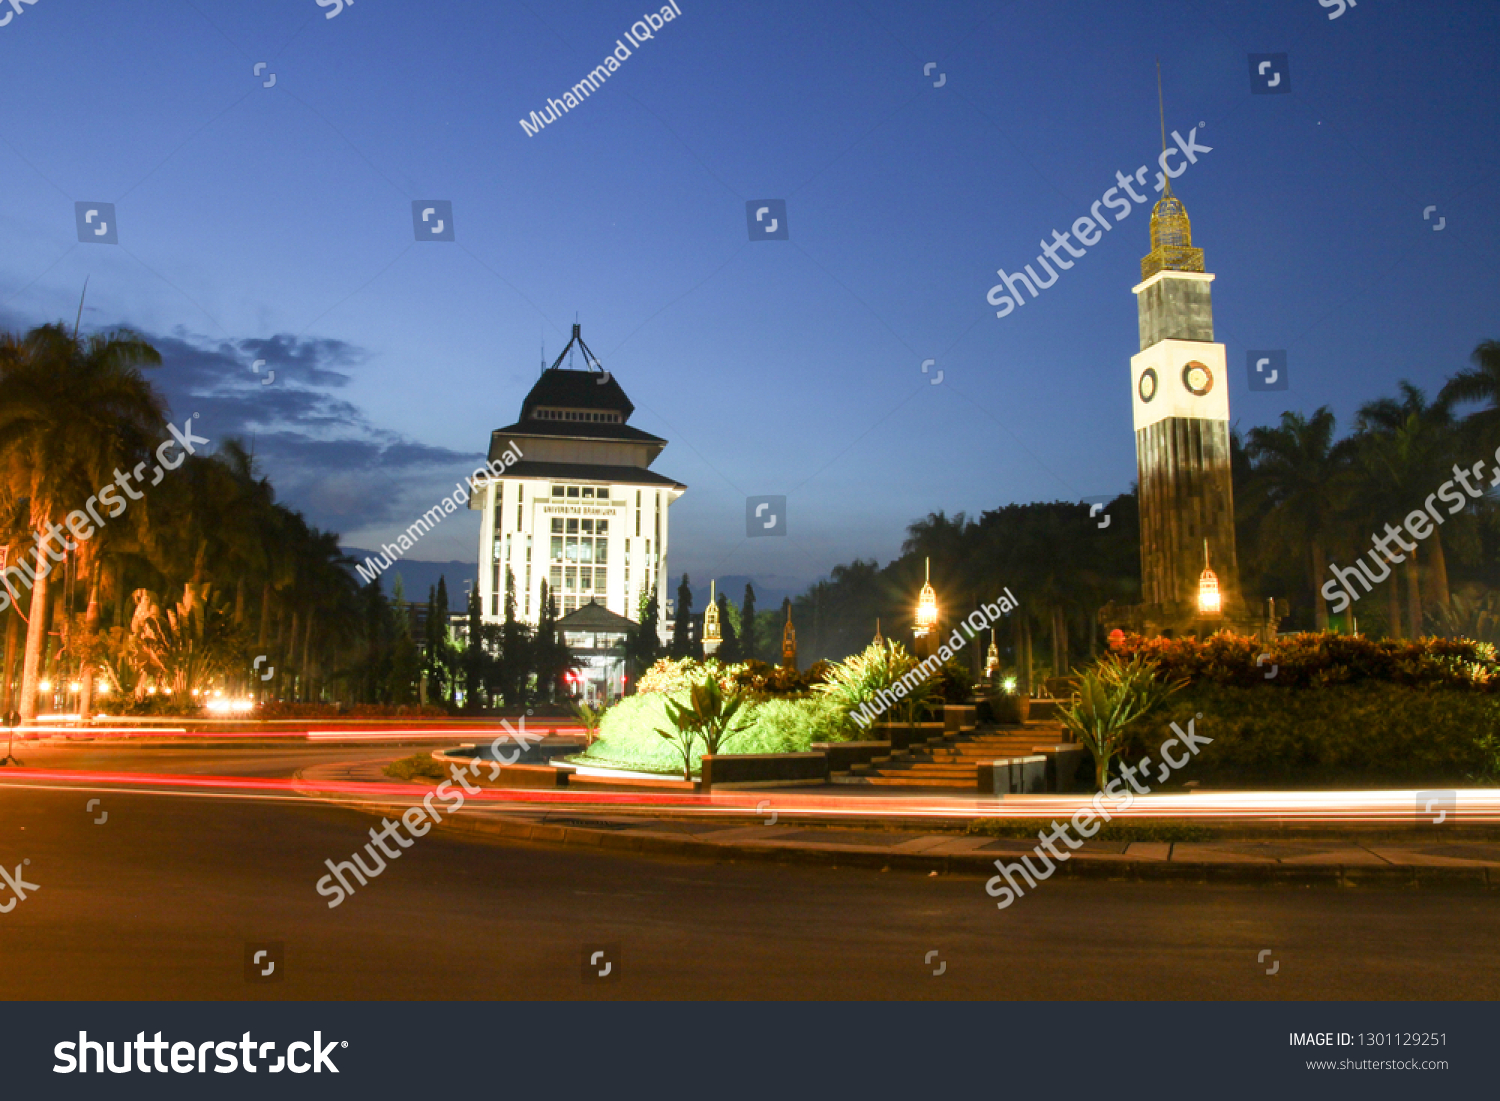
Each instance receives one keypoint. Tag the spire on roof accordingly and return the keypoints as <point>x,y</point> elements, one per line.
<point>589,358</point>
<point>1171,232</point>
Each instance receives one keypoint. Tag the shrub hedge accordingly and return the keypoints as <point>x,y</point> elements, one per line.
<point>1346,735</point>
<point>1321,660</point>
<point>759,678</point>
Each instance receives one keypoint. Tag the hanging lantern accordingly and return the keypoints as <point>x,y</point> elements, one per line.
<point>927,609</point>
<point>1209,603</point>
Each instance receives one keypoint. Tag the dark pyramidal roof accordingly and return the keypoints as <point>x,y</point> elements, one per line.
<point>595,617</point>
<point>577,390</point>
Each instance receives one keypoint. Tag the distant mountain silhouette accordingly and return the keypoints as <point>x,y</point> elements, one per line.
<point>418,576</point>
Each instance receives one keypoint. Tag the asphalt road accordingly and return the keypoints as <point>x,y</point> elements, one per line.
<point>265,761</point>
<point>160,900</point>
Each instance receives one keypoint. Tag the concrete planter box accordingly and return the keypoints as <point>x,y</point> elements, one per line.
<point>843,756</point>
<point>509,776</point>
<point>1014,776</point>
<point>928,732</point>
<point>958,716</point>
<point>1062,765</point>
<point>764,770</point>
<point>527,776</point>
<point>899,735</point>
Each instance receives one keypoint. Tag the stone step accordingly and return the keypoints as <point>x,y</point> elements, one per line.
<point>907,781</point>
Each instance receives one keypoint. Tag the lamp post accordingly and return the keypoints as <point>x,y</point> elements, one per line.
<point>927,616</point>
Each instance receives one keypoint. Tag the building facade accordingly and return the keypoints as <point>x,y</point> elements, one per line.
<point>581,510</point>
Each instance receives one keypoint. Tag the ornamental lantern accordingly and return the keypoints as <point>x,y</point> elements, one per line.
<point>927,609</point>
<point>1208,588</point>
<point>712,637</point>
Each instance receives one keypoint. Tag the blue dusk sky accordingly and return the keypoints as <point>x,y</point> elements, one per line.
<point>918,149</point>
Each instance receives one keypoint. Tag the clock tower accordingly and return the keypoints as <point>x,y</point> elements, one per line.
<point>1180,395</point>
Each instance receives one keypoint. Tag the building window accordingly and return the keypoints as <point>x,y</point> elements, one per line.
<point>499,504</point>
<point>520,501</point>
<point>592,416</point>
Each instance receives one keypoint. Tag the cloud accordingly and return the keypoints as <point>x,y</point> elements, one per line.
<point>320,451</point>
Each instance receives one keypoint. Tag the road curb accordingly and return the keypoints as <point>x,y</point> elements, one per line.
<point>1080,866</point>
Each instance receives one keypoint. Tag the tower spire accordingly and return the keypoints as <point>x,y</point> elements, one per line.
<point>1161,112</point>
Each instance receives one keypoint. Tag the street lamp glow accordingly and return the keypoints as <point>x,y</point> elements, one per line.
<point>927,608</point>
<point>1209,602</point>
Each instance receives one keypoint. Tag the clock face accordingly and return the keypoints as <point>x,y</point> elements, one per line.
<point>1147,387</point>
<point>1198,379</point>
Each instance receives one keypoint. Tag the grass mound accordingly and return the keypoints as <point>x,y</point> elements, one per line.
<point>628,732</point>
<point>418,767</point>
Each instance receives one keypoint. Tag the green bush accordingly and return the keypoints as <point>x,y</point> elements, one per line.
<point>1320,661</point>
<point>419,767</point>
<point>628,732</point>
<point>857,681</point>
<point>678,675</point>
<point>1347,735</point>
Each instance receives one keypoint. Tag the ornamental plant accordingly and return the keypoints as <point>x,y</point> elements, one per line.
<point>1107,700</point>
<point>857,679</point>
<point>709,714</point>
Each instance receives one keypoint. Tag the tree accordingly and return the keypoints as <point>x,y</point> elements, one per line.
<point>682,624</point>
<point>72,412</point>
<point>1408,446</point>
<point>748,641</point>
<point>515,648</point>
<point>474,655</point>
<point>729,645</point>
<point>439,670</point>
<point>552,660</point>
<point>1479,384</point>
<point>644,645</point>
<point>1298,476</point>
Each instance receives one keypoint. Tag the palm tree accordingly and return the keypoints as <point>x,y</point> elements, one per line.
<point>1413,449</point>
<point>1481,384</point>
<point>71,413</point>
<point>1296,474</point>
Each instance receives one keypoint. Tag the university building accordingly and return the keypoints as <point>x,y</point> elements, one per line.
<point>581,510</point>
